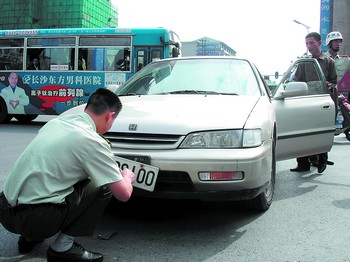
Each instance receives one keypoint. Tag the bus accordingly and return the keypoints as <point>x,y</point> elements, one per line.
<point>48,71</point>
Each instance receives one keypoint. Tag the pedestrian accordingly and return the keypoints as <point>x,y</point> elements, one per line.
<point>334,41</point>
<point>313,43</point>
<point>63,181</point>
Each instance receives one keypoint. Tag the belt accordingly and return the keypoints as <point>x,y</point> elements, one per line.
<point>21,207</point>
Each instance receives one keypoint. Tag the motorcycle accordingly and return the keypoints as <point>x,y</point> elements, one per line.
<point>342,122</point>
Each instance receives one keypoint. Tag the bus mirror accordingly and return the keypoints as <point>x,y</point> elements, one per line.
<point>175,52</point>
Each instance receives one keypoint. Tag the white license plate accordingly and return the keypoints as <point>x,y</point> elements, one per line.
<point>146,175</point>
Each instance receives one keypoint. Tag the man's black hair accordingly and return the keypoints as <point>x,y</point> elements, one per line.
<point>103,100</point>
<point>315,35</point>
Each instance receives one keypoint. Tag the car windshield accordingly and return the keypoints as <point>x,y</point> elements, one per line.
<point>194,76</point>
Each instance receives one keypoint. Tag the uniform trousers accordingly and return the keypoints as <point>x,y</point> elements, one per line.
<point>77,216</point>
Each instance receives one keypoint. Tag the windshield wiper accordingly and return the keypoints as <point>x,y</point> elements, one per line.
<point>128,94</point>
<point>230,94</point>
<point>190,92</point>
<point>198,92</point>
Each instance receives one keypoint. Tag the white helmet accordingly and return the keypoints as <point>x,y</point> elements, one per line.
<point>333,36</point>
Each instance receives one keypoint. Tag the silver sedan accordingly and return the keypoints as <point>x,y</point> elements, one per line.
<point>209,128</point>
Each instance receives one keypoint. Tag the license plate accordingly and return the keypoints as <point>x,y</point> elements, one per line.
<point>146,175</point>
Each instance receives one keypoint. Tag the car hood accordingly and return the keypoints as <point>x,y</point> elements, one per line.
<point>181,114</point>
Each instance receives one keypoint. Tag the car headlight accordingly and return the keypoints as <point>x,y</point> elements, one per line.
<point>252,138</point>
<point>223,139</point>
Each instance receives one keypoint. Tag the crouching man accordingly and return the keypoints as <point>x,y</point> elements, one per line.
<point>63,181</point>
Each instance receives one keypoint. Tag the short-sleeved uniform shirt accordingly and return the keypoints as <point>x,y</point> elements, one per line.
<point>66,150</point>
<point>342,64</point>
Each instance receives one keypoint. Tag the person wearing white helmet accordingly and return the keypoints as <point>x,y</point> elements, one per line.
<point>334,41</point>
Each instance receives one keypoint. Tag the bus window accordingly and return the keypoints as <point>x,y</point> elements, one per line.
<point>106,53</point>
<point>60,59</point>
<point>11,58</point>
<point>52,53</point>
<point>122,60</point>
<point>104,59</point>
<point>156,55</point>
<point>141,59</point>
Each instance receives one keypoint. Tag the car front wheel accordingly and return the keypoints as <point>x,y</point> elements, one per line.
<point>263,201</point>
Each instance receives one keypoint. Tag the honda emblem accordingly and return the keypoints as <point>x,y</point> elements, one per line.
<point>133,127</point>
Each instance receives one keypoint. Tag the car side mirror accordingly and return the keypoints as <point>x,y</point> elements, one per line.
<point>292,89</point>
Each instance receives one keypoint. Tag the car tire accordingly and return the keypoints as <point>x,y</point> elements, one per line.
<point>263,201</point>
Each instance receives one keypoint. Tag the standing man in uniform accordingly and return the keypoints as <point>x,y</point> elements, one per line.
<point>334,41</point>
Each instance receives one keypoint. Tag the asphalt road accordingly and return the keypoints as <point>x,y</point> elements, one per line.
<point>309,219</point>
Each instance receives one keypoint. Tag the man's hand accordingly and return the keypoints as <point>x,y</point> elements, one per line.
<point>122,189</point>
<point>128,175</point>
<point>330,85</point>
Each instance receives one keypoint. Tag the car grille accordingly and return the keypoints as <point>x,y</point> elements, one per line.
<point>167,181</point>
<point>136,140</point>
<point>173,181</point>
<point>170,184</point>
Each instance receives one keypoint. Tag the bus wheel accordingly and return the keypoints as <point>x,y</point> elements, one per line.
<point>4,116</point>
<point>24,119</point>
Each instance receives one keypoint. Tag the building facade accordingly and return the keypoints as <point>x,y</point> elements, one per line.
<point>27,14</point>
<point>206,46</point>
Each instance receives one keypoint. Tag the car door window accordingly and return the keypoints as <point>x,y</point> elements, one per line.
<point>308,72</point>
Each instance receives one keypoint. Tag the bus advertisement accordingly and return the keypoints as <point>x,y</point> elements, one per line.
<point>48,71</point>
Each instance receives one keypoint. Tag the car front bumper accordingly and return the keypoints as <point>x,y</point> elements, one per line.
<point>179,169</point>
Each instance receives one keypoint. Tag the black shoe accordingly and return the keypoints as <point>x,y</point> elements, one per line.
<point>321,168</point>
<point>75,253</point>
<point>300,169</point>
<point>25,246</point>
<point>314,160</point>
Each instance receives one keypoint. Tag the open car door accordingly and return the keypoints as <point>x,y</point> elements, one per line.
<point>305,111</point>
